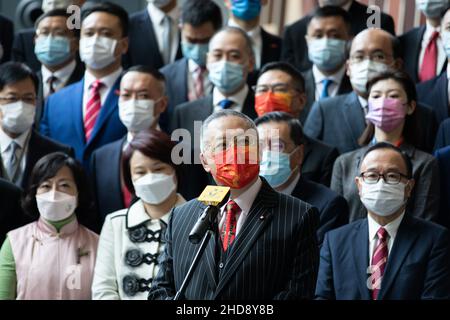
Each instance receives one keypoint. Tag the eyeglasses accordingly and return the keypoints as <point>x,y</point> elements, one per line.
<point>371,177</point>
<point>275,88</point>
<point>224,144</point>
<point>14,99</point>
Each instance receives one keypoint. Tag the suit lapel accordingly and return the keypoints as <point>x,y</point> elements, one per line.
<point>147,25</point>
<point>250,232</point>
<point>417,48</point>
<point>310,89</point>
<point>249,105</point>
<point>354,116</point>
<point>76,103</point>
<point>345,86</point>
<point>442,88</point>
<point>360,254</point>
<point>181,82</point>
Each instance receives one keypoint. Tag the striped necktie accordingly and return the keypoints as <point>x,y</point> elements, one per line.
<point>92,108</point>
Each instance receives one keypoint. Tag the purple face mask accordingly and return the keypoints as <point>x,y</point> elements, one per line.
<point>386,113</point>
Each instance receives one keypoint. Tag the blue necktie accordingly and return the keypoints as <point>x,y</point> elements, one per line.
<point>326,85</point>
<point>226,104</point>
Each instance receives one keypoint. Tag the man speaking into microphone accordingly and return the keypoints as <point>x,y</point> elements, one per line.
<point>264,244</point>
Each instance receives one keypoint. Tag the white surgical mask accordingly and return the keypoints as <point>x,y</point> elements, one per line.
<point>155,188</point>
<point>97,52</point>
<point>137,115</point>
<point>17,116</point>
<point>361,73</point>
<point>383,199</point>
<point>56,206</point>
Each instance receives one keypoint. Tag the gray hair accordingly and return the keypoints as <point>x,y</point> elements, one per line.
<point>248,40</point>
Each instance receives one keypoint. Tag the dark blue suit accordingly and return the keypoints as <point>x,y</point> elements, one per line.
<point>418,265</point>
<point>443,157</point>
<point>434,93</point>
<point>6,37</point>
<point>63,121</point>
<point>443,135</point>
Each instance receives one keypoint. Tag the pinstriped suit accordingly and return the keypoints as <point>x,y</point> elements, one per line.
<point>274,257</point>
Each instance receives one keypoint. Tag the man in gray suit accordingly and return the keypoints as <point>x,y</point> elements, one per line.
<point>265,244</point>
<point>340,121</point>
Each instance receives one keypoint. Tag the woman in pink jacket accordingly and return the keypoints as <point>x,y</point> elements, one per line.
<point>53,257</point>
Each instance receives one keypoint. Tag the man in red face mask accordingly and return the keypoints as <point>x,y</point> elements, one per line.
<point>265,245</point>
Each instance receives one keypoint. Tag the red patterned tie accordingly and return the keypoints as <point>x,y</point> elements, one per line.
<point>379,261</point>
<point>92,108</point>
<point>228,231</point>
<point>429,63</point>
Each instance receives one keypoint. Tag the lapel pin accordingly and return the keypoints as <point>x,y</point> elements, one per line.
<point>261,217</point>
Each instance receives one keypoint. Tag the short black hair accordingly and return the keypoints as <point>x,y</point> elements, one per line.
<point>155,73</point>
<point>333,11</point>
<point>385,145</point>
<point>295,126</point>
<point>444,11</point>
<point>199,12</point>
<point>299,81</point>
<point>47,167</point>
<point>56,13</point>
<point>108,7</point>
<point>13,72</point>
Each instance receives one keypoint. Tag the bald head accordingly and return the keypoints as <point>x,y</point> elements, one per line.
<point>372,40</point>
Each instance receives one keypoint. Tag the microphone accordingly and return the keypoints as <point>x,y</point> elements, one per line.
<point>214,197</point>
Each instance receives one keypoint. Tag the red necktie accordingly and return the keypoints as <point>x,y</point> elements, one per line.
<point>92,108</point>
<point>379,261</point>
<point>228,230</point>
<point>429,63</point>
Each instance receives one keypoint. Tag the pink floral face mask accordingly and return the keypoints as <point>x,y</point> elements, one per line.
<point>386,113</point>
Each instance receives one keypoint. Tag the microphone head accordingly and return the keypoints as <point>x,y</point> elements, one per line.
<point>214,195</point>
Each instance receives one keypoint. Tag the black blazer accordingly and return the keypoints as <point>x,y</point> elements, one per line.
<point>310,90</point>
<point>434,93</point>
<point>411,44</point>
<point>143,46</point>
<point>76,76</point>
<point>443,135</point>
<point>443,158</point>
<point>23,49</point>
<point>11,215</point>
<point>318,160</point>
<point>333,209</point>
<point>271,47</point>
<point>295,49</point>
<point>6,37</point>
<point>417,266</point>
<point>273,257</point>
<point>39,146</point>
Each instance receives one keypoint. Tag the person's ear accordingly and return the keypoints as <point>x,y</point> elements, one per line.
<point>409,188</point>
<point>124,43</point>
<point>347,68</point>
<point>297,157</point>
<point>205,163</point>
<point>161,106</point>
<point>398,64</point>
<point>358,184</point>
<point>411,108</point>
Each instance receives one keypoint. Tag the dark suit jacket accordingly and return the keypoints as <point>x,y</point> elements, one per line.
<point>295,49</point>
<point>417,266</point>
<point>443,135</point>
<point>23,49</point>
<point>76,76</point>
<point>443,158</point>
<point>63,121</point>
<point>6,37</point>
<point>333,209</point>
<point>310,90</point>
<point>424,202</point>
<point>411,44</point>
<point>273,257</point>
<point>318,160</point>
<point>271,47</point>
<point>434,93</point>
<point>339,122</point>
<point>11,215</point>
<point>39,146</point>
<point>143,48</point>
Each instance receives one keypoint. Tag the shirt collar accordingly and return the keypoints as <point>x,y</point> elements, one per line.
<point>253,33</point>
<point>246,199</point>
<point>290,188</point>
<point>107,81</point>
<point>429,29</point>
<point>391,227</point>
<point>6,140</point>
<point>363,102</point>
<point>62,74</point>
<point>238,98</point>
<point>193,66</point>
<point>158,15</point>
<point>336,77</point>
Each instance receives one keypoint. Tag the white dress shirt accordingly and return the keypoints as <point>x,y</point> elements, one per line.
<point>157,18</point>
<point>62,76</point>
<point>108,83</point>
<point>442,56</point>
<point>245,202</point>
<point>319,77</point>
<point>364,104</point>
<point>22,141</point>
<point>192,69</point>
<point>290,188</point>
<point>391,228</point>
<point>238,98</point>
<point>256,37</point>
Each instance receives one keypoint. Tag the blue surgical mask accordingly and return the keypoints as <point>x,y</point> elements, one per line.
<point>226,76</point>
<point>195,52</point>
<point>432,8</point>
<point>246,9</point>
<point>446,40</point>
<point>51,50</point>
<point>327,54</point>
<point>275,167</point>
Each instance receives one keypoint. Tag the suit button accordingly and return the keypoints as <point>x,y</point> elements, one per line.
<point>221,265</point>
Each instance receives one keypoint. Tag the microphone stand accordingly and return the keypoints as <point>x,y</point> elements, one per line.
<point>203,229</point>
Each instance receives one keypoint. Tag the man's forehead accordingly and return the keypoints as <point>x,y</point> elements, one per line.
<point>372,41</point>
<point>274,76</point>
<point>384,160</point>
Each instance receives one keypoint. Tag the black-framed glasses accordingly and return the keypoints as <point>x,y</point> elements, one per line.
<point>275,88</point>
<point>371,177</point>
